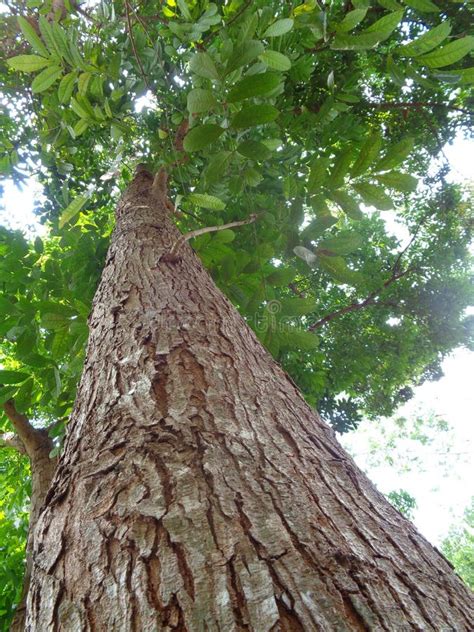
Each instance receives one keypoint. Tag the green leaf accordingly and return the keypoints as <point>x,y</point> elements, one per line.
<point>254,150</point>
<point>386,25</point>
<point>252,115</point>
<point>351,20</point>
<point>318,226</point>
<point>348,203</point>
<point>7,393</point>
<point>79,109</point>
<point>243,54</point>
<point>12,377</point>
<point>396,154</point>
<point>206,201</point>
<point>449,54</point>
<point>370,37</point>
<point>297,306</point>
<point>278,28</point>
<point>373,195</point>
<point>291,337</point>
<point>340,169</point>
<point>201,136</point>
<point>46,78</point>
<point>253,86</point>
<point>281,276</point>
<point>48,38</point>
<point>80,127</point>
<point>28,63</point>
<point>54,322</point>
<point>422,5</point>
<point>364,41</point>
<point>368,154</point>
<point>343,243</point>
<point>66,87</point>
<point>72,210</point>
<point>275,60</point>
<point>400,181</point>
<point>202,64</point>
<point>427,41</point>
<point>32,36</point>
<point>83,82</point>
<point>318,175</point>
<point>200,100</point>
<point>338,269</point>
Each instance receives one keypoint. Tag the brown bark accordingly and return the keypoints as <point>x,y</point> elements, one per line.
<point>198,491</point>
<point>37,445</point>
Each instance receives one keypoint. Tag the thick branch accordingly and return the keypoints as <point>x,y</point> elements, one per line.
<point>23,428</point>
<point>12,440</point>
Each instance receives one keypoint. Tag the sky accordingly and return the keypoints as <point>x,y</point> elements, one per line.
<point>443,480</point>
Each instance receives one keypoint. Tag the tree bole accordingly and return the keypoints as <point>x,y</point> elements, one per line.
<point>198,491</point>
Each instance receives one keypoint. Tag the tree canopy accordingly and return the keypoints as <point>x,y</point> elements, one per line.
<point>318,119</point>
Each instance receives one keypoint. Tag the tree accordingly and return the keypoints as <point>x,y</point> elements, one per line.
<point>196,487</point>
<point>458,546</point>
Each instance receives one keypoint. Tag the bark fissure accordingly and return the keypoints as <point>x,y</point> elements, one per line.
<point>197,490</point>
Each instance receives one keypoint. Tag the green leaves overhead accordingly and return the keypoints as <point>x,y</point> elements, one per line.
<point>396,154</point>
<point>373,195</point>
<point>32,36</point>
<point>12,377</point>
<point>339,270</point>
<point>243,54</point>
<point>254,150</point>
<point>201,136</point>
<point>252,115</point>
<point>46,78</point>
<point>426,42</point>
<point>275,60</point>
<point>206,201</point>
<point>202,64</point>
<point>28,63</point>
<point>351,20</point>
<point>278,28</point>
<point>400,181</point>
<point>368,154</point>
<point>370,37</point>
<point>72,210</point>
<point>200,100</point>
<point>343,243</point>
<point>253,86</point>
<point>422,5</point>
<point>449,54</point>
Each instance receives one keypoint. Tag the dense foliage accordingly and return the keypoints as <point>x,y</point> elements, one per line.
<point>321,120</point>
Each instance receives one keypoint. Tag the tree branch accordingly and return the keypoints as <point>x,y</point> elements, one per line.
<point>389,105</point>
<point>23,428</point>
<point>12,440</point>
<point>369,300</point>
<point>134,48</point>
<point>173,253</point>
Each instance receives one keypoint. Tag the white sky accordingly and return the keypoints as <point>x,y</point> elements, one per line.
<point>441,493</point>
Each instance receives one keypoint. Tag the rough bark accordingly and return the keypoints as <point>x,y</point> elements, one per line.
<point>198,491</point>
<point>37,445</point>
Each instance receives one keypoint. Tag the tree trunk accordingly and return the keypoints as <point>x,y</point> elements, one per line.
<point>198,491</point>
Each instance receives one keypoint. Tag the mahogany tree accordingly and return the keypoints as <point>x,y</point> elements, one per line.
<point>195,488</point>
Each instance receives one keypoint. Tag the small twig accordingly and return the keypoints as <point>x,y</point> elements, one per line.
<point>240,12</point>
<point>173,253</point>
<point>134,48</point>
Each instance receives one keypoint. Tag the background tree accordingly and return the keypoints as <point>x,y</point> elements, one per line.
<point>298,114</point>
<point>459,547</point>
